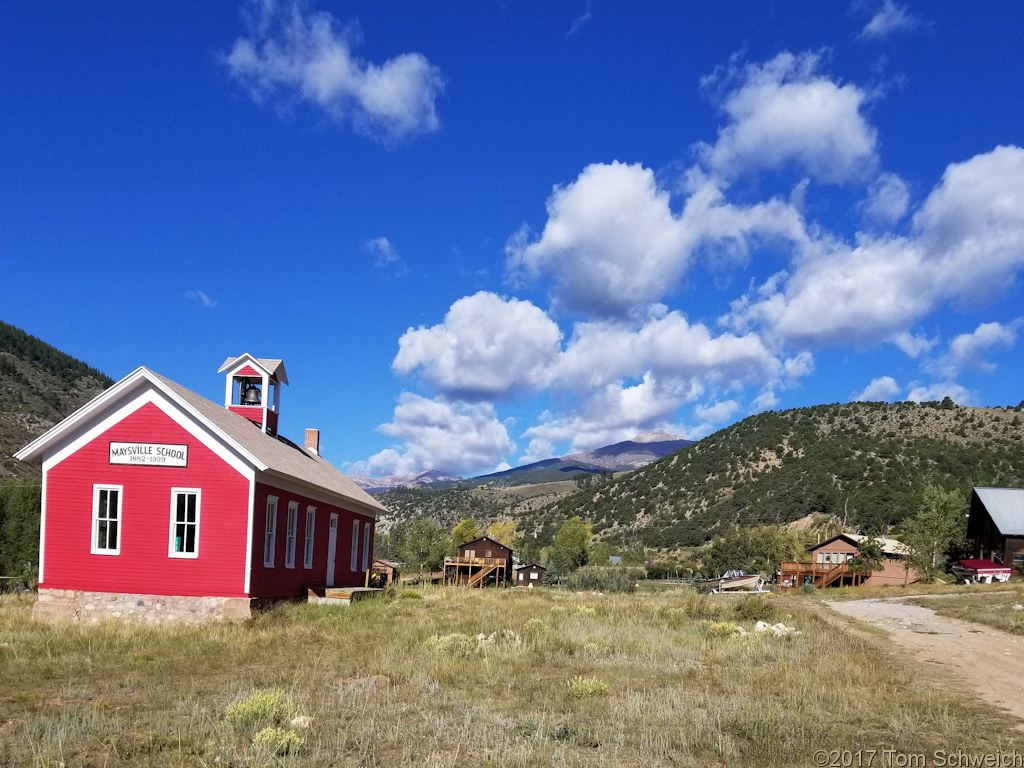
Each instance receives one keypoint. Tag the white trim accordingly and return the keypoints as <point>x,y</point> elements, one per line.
<point>42,527</point>
<point>289,484</point>
<point>90,418</point>
<point>354,559</point>
<point>98,488</point>
<point>291,528</point>
<point>173,520</point>
<point>308,538</point>
<point>249,524</point>
<point>366,546</point>
<point>332,548</point>
<point>199,429</point>
<point>270,533</point>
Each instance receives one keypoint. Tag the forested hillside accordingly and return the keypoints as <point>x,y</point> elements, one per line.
<point>39,386</point>
<point>865,463</point>
<point>485,505</point>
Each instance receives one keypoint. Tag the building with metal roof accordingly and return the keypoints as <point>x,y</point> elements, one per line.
<point>996,524</point>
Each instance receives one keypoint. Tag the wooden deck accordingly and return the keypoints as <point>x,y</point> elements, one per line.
<point>820,574</point>
<point>475,570</point>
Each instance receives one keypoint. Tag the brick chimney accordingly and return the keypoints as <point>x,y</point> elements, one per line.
<point>313,441</point>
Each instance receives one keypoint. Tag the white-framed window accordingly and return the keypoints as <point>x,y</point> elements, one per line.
<point>290,531</point>
<point>534,576</point>
<point>106,519</point>
<point>366,546</point>
<point>184,523</point>
<point>270,537</point>
<point>354,560</point>
<point>307,552</point>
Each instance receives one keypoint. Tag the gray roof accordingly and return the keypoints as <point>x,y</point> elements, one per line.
<point>1006,508</point>
<point>274,366</point>
<point>890,546</point>
<point>281,456</point>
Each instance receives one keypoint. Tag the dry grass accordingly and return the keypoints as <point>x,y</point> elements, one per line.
<point>992,605</point>
<point>380,693</point>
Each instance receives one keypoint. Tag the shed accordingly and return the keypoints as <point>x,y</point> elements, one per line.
<point>160,504</point>
<point>385,570</point>
<point>531,575</point>
<point>996,524</point>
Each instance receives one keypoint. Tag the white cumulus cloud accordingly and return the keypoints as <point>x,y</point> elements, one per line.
<point>880,388</point>
<point>967,246</point>
<point>782,112</point>
<point>967,350</point>
<point>888,198</point>
<point>292,54</point>
<point>614,246</point>
<point>455,438</point>
<point>487,347</point>
<point>958,394</point>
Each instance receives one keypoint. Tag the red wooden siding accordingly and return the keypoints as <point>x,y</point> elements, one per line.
<point>247,371</point>
<point>143,565</point>
<point>280,581</point>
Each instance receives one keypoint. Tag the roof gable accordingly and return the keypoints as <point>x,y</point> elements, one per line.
<point>272,367</point>
<point>487,539</point>
<point>890,546</point>
<point>275,456</point>
<point>1005,506</point>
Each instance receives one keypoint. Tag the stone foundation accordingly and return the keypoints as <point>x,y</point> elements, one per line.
<point>73,605</point>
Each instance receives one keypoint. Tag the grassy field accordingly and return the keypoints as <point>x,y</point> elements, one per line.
<point>991,605</point>
<point>566,680</point>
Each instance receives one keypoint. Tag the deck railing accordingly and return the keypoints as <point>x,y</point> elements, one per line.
<point>821,574</point>
<point>474,561</point>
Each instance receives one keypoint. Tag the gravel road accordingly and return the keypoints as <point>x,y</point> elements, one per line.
<point>988,660</point>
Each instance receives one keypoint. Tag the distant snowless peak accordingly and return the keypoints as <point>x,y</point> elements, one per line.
<point>657,436</point>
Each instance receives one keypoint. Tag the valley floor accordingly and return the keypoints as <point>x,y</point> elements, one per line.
<point>453,677</point>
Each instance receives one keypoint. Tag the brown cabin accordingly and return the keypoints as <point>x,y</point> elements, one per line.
<point>530,575</point>
<point>996,525</point>
<point>481,562</point>
<point>829,560</point>
<point>385,570</point>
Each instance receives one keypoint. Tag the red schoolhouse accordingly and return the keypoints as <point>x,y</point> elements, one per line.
<point>160,504</point>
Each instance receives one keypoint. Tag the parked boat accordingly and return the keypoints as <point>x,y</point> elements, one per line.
<point>737,581</point>
<point>981,571</point>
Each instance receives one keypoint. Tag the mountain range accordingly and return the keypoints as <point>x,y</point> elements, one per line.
<point>619,457</point>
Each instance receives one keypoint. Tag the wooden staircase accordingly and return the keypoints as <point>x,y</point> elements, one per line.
<point>477,578</point>
<point>831,575</point>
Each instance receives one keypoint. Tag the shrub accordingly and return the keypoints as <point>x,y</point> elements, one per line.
<point>535,627</point>
<point>278,741</point>
<point>408,594</point>
<point>587,687</point>
<point>452,645</point>
<point>604,578</point>
<point>698,606</point>
<point>755,608</point>
<point>262,708</point>
<point>719,629</point>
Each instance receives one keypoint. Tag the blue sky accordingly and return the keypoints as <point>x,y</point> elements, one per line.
<point>484,233</point>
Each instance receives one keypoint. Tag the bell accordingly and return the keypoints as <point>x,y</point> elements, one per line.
<point>252,396</point>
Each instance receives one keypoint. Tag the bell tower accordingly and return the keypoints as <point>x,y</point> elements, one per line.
<point>253,389</point>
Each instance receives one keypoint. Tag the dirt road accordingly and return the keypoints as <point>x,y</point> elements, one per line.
<point>985,659</point>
